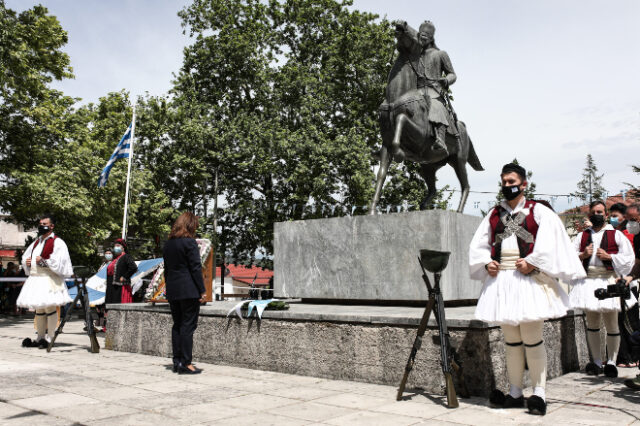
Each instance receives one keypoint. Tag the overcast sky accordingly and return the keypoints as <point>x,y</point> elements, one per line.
<point>545,81</point>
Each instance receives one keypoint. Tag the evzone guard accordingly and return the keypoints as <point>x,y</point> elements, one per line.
<point>605,254</point>
<point>47,263</point>
<point>520,250</point>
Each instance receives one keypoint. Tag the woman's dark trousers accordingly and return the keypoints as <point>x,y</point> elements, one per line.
<point>185,320</point>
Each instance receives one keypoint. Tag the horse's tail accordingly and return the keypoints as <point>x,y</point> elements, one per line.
<point>473,159</point>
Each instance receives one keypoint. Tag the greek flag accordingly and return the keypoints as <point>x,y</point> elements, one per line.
<point>121,151</point>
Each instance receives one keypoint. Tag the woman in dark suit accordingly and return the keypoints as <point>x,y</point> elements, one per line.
<point>184,288</point>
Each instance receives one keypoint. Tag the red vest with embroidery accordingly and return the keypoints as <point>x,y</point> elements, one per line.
<point>47,249</point>
<point>497,227</point>
<point>608,243</point>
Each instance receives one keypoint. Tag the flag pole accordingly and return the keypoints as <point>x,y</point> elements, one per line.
<point>126,194</point>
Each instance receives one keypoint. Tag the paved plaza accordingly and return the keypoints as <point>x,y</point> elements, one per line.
<point>72,386</point>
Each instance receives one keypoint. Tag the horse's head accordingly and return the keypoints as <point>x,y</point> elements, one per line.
<point>407,38</point>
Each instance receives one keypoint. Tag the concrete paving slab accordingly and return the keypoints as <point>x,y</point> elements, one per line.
<point>202,412</point>
<point>304,393</point>
<point>138,419</point>
<point>46,402</point>
<point>90,412</point>
<point>351,400</point>
<point>262,419</point>
<point>412,409</point>
<point>168,386</point>
<point>258,402</point>
<point>369,418</point>
<point>312,411</point>
<point>25,391</point>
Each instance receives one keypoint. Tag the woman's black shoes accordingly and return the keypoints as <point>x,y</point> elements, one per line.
<point>498,399</point>
<point>184,370</point>
<point>536,405</point>
<point>175,368</point>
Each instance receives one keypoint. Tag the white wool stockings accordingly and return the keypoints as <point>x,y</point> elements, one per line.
<point>593,335</point>
<point>514,349</point>
<point>525,340</point>
<point>46,321</point>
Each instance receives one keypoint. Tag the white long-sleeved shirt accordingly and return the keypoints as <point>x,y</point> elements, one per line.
<point>552,251</point>
<point>59,262</point>
<point>622,261</point>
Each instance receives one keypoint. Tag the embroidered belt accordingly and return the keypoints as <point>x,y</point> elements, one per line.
<point>600,272</point>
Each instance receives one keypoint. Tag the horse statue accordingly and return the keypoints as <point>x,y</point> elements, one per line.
<point>407,133</point>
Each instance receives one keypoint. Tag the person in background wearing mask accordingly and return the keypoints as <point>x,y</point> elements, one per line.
<point>100,309</point>
<point>519,250</point>
<point>47,263</point>
<point>625,359</point>
<point>605,253</point>
<point>119,272</point>
<point>633,226</point>
<point>618,220</point>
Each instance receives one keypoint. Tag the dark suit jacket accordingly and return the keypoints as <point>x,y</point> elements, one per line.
<point>182,269</point>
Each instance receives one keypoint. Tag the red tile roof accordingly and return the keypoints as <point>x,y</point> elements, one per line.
<point>584,209</point>
<point>246,274</point>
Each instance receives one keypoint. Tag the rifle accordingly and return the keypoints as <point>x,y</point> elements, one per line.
<point>449,358</point>
<point>83,298</point>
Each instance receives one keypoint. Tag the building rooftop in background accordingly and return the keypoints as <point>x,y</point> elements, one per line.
<point>614,199</point>
<point>246,274</point>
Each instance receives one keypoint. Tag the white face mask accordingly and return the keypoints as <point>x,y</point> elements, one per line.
<point>633,227</point>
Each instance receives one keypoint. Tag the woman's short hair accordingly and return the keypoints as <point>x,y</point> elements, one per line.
<point>185,226</point>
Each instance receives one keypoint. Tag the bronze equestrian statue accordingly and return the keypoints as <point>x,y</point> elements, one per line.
<point>417,120</point>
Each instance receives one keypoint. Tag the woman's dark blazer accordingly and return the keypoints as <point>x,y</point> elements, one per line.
<point>182,269</point>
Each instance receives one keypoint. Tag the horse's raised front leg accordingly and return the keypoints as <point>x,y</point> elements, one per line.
<point>385,161</point>
<point>460,167</point>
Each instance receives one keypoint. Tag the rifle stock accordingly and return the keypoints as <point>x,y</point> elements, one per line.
<point>452,399</point>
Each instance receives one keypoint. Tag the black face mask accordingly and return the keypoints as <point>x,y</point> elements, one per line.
<point>596,220</point>
<point>511,192</point>
<point>43,229</point>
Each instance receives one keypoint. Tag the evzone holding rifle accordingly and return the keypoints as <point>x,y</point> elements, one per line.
<point>605,254</point>
<point>520,250</point>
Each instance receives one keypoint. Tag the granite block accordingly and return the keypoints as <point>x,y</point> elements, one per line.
<point>372,257</point>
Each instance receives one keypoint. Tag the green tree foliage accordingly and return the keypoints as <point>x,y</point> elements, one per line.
<point>634,190</point>
<point>590,186</point>
<point>51,153</point>
<point>286,96</point>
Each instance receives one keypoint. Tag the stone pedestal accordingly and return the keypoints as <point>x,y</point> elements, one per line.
<point>372,258</point>
<point>360,343</point>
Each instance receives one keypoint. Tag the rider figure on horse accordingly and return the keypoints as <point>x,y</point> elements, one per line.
<point>435,74</point>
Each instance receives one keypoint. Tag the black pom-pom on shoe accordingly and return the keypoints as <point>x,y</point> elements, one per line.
<point>536,405</point>
<point>592,369</point>
<point>511,402</point>
<point>611,370</point>
<point>27,343</point>
<point>496,399</point>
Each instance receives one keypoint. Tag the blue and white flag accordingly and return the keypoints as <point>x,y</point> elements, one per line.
<point>121,151</point>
